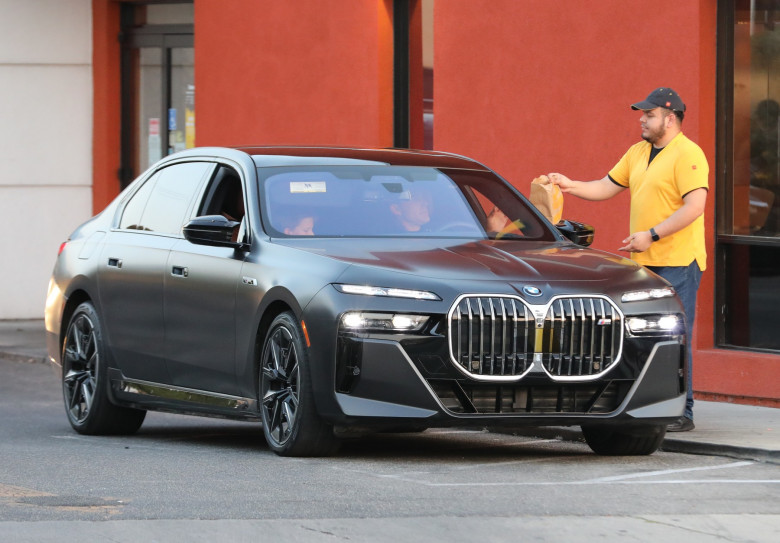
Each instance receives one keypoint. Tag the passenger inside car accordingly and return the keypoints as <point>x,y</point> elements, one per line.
<point>233,203</point>
<point>300,224</point>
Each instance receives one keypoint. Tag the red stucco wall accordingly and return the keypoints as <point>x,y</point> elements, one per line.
<point>535,86</point>
<point>106,110</point>
<point>303,72</point>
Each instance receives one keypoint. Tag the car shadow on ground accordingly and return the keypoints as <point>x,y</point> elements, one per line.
<point>444,444</point>
<point>455,444</point>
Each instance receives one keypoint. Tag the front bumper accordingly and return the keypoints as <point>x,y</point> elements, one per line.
<point>382,382</point>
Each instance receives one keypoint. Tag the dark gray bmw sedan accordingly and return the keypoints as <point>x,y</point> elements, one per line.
<point>327,292</point>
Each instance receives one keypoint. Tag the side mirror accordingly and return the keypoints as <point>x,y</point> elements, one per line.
<point>579,233</point>
<point>214,230</point>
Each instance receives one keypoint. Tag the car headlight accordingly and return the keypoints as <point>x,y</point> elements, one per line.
<point>368,290</point>
<point>647,294</point>
<point>653,325</point>
<point>382,322</point>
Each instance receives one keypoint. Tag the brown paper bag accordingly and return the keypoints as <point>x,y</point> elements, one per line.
<point>547,198</point>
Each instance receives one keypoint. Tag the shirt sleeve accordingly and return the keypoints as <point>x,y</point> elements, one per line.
<point>692,171</point>
<point>620,174</point>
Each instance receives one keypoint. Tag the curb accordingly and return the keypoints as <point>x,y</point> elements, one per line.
<point>669,444</point>
<point>719,449</point>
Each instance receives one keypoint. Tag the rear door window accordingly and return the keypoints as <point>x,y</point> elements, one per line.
<point>162,204</point>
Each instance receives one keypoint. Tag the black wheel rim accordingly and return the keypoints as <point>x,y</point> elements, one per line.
<point>279,385</point>
<point>80,363</point>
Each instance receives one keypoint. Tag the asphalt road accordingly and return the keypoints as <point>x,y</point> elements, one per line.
<point>195,479</point>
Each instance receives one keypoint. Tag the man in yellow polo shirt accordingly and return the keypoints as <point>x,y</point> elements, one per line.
<point>666,175</point>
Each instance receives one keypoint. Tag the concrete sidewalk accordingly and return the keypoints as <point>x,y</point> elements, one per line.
<point>23,340</point>
<point>722,429</point>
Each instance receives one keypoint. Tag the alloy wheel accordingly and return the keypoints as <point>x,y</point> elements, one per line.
<point>80,363</point>
<point>280,385</point>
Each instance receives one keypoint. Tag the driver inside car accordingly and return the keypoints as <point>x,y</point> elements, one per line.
<point>412,209</point>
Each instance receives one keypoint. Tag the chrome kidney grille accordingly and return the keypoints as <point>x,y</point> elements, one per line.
<point>492,336</point>
<point>503,338</point>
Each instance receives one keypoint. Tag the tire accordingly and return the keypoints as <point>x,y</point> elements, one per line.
<point>624,440</point>
<point>291,424</point>
<point>85,380</point>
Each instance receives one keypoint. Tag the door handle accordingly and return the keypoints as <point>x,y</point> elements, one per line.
<point>180,271</point>
<point>115,262</point>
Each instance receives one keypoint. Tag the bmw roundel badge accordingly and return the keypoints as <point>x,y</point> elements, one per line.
<point>532,290</point>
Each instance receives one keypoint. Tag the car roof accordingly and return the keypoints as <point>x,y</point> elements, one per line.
<point>315,155</point>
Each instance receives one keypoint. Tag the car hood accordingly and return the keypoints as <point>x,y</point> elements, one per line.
<point>475,260</point>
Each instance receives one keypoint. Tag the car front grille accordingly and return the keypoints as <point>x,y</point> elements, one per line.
<point>502,338</point>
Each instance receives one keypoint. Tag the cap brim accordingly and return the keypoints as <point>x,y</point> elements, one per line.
<point>644,106</point>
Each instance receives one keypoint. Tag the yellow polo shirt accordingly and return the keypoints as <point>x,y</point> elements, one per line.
<point>657,191</point>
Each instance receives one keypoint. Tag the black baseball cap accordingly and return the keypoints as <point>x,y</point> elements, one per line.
<point>661,97</point>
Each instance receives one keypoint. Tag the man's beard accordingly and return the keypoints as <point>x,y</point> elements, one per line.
<point>655,136</point>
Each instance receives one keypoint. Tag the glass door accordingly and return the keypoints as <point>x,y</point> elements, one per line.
<point>158,86</point>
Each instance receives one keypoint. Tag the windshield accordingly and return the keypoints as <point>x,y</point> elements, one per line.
<point>394,201</point>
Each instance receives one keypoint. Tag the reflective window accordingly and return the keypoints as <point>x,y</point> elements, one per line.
<point>170,14</point>
<point>176,66</point>
<point>396,202</point>
<point>158,83</point>
<point>751,320</point>
<point>161,205</point>
<point>755,209</point>
<point>748,219</point>
<point>134,210</point>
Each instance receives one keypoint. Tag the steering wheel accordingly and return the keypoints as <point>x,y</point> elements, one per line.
<point>515,227</point>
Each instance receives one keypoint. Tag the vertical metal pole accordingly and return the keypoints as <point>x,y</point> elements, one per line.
<point>165,76</point>
<point>401,73</point>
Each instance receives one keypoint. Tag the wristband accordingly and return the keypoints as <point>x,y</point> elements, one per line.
<point>653,235</point>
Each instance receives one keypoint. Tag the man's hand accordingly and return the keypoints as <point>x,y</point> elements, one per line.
<point>563,182</point>
<point>637,242</point>
<point>693,206</point>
